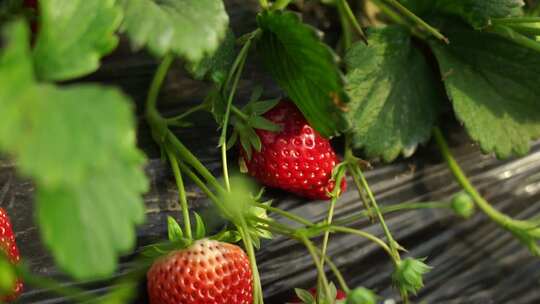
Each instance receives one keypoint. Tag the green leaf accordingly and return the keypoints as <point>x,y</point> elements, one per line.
<point>189,28</point>
<point>73,35</point>
<point>259,122</point>
<point>479,13</point>
<point>263,106</point>
<point>305,68</point>
<point>78,145</point>
<point>493,85</point>
<point>361,295</point>
<point>200,227</point>
<point>304,295</point>
<point>173,229</point>
<point>394,100</point>
<point>216,66</point>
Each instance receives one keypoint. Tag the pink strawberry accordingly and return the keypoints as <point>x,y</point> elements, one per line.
<point>206,272</point>
<point>9,247</point>
<point>296,159</point>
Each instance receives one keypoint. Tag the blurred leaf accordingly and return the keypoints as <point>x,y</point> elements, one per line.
<point>173,229</point>
<point>305,68</point>
<point>189,28</point>
<point>73,35</point>
<point>78,145</point>
<point>200,227</point>
<point>394,98</point>
<point>493,85</point>
<point>216,66</point>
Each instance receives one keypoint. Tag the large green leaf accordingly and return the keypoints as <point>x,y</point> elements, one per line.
<point>78,145</point>
<point>478,13</point>
<point>189,28</point>
<point>73,35</point>
<point>305,68</point>
<point>494,87</point>
<point>394,99</point>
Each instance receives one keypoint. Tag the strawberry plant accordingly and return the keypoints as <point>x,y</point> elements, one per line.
<point>396,68</point>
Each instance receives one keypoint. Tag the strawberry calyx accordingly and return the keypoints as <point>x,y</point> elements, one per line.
<point>249,118</point>
<point>311,296</point>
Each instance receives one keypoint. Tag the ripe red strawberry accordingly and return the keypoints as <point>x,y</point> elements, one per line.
<point>296,159</point>
<point>9,247</point>
<point>206,272</point>
<point>340,296</point>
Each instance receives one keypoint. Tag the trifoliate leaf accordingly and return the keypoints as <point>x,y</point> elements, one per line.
<point>216,66</point>
<point>78,145</point>
<point>305,68</point>
<point>394,100</point>
<point>493,85</point>
<point>174,230</point>
<point>73,35</point>
<point>188,28</point>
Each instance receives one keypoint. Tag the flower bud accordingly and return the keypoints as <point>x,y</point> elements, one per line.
<point>463,205</point>
<point>409,272</point>
<point>361,295</point>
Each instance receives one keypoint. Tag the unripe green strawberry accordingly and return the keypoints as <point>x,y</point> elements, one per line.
<point>206,272</point>
<point>296,159</point>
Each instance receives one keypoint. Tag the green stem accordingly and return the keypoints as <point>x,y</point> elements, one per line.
<point>181,193</point>
<point>513,20</point>
<point>345,26</point>
<point>335,194</point>
<point>239,113</point>
<point>358,173</point>
<point>346,9</point>
<point>516,37</point>
<point>199,107</point>
<point>350,158</point>
<point>186,155</point>
<point>257,289</point>
<point>73,293</point>
<point>237,70</point>
<point>389,209</point>
<point>337,274</point>
<point>284,213</point>
<point>157,81</point>
<point>263,4</point>
<point>280,4</point>
<point>406,12</point>
<point>397,18</point>
<point>189,173</point>
<point>362,234</point>
<point>498,217</point>
<point>320,270</point>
